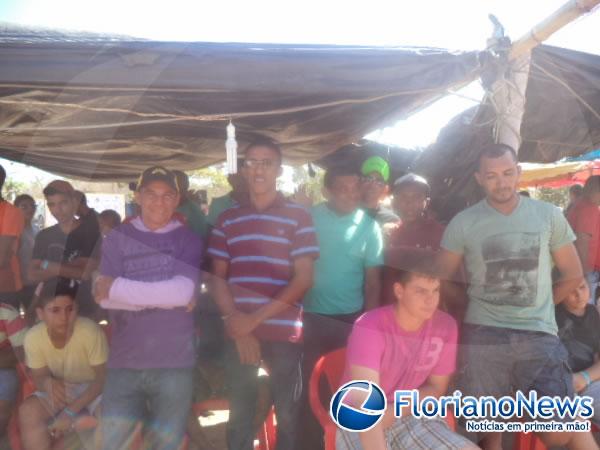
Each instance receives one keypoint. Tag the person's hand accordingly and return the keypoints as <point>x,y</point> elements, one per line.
<point>248,349</point>
<point>389,228</point>
<point>57,393</point>
<point>61,425</point>
<point>102,288</point>
<point>53,268</point>
<point>192,304</point>
<point>240,324</point>
<point>579,382</point>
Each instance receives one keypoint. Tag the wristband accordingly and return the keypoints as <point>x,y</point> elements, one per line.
<point>44,265</point>
<point>586,375</point>
<point>69,412</point>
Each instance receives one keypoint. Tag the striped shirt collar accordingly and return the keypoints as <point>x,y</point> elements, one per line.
<point>278,202</point>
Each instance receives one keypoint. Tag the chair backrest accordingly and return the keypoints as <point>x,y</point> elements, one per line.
<point>331,366</point>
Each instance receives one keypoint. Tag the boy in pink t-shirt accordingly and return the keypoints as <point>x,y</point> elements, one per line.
<point>407,345</point>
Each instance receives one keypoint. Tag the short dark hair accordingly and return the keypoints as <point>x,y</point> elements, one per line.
<point>576,190</point>
<point>265,142</point>
<point>496,151</point>
<point>112,215</point>
<point>414,263</point>
<point>592,185</point>
<point>338,171</point>
<point>2,177</point>
<point>80,197</point>
<point>56,287</point>
<point>23,198</point>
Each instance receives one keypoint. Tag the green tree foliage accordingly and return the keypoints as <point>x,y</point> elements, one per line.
<point>558,196</point>
<point>12,188</point>
<point>311,186</point>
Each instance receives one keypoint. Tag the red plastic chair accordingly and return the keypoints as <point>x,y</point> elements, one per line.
<point>331,366</point>
<point>25,390</point>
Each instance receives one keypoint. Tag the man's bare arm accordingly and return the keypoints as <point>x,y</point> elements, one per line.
<point>219,288</point>
<point>567,262</point>
<point>373,439</point>
<point>79,269</point>
<point>582,245</point>
<point>448,264</point>
<point>301,282</point>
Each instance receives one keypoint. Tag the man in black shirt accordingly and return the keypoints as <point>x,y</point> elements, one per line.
<point>67,249</point>
<point>579,330</point>
<point>87,216</point>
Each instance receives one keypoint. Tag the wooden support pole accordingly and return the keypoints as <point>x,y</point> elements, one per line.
<point>508,92</point>
<point>567,13</point>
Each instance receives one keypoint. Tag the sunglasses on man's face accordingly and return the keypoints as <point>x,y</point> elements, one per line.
<point>373,180</point>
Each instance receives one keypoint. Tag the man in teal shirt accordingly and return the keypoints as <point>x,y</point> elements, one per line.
<point>508,244</point>
<point>347,276</point>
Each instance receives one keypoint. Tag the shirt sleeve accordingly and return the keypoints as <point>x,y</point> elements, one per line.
<point>453,238</point>
<point>34,356</point>
<point>304,241</point>
<point>166,294</point>
<point>97,348</point>
<point>374,250</point>
<point>217,246</point>
<point>446,364</point>
<point>12,221</point>
<point>561,233</point>
<point>91,237</point>
<point>365,345</point>
<point>111,263</point>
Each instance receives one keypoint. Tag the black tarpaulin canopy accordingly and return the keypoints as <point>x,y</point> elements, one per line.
<point>102,107</point>
<point>561,119</point>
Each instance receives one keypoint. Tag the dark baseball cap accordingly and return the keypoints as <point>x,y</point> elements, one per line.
<point>157,173</point>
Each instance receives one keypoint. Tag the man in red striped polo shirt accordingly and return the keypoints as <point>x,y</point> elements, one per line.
<point>265,249</point>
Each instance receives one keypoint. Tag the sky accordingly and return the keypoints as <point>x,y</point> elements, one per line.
<point>455,25</point>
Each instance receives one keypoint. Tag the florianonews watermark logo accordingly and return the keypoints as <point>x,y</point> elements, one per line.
<point>363,418</point>
<point>547,413</point>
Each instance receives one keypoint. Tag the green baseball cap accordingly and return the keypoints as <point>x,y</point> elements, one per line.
<point>376,164</point>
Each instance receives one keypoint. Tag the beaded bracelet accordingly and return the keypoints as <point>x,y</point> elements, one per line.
<point>586,375</point>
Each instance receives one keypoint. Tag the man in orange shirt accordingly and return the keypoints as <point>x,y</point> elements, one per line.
<point>11,227</point>
<point>584,218</point>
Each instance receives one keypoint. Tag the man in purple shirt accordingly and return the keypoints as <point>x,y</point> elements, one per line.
<point>149,271</point>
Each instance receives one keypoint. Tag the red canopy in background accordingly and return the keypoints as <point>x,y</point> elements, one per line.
<point>558,175</point>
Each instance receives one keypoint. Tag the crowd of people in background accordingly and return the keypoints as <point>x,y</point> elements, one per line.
<point>117,321</point>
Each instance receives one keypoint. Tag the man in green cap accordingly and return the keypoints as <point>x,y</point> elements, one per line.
<point>375,176</point>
